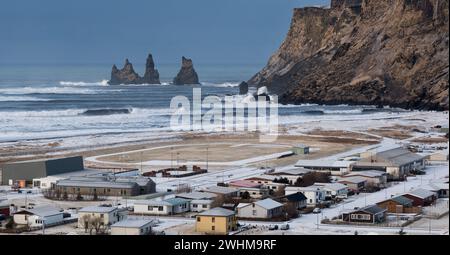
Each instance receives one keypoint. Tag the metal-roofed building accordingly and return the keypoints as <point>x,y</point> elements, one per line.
<point>25,171</point>
<point>222,191</point>
<point>397,162</point>
<point>373,177</point>
<point>106,186</point>
<point>162,207</point>
<point>262,209</point>
<point>421,197</point>
<point>399,204</point>
<point>38,216</point>
<point>132,227</point>
<point>197,195</point>
<point>335,167</point>
<point>108,215</point>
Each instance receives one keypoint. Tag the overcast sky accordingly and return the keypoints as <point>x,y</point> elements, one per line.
<point>107,31</point>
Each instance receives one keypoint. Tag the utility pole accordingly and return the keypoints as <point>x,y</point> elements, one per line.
<point>142,171</point>
<point>207,158</point>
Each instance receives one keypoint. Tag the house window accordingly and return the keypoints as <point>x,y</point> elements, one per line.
<point>198,219</point>
<point>194,205</point>
<point>102,216</point>
<point>254,212</point>
<point>205,206</point>
<point>160,208</point>
<point>213,219</point>
<point>213,228</point>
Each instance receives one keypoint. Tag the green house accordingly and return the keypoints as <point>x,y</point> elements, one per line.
<point>300,149</point>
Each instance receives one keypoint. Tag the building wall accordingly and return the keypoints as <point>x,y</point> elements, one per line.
<point>393,207</point>
<point>22,171</point>
<point>36,221</point>
<point>256,193</point>
<point>108,218</point>
<point>64,165</point>
<point>90,191</point>
<point>145,230</point>
<point>200,207</point>
<point>218,225</point>
<point>185,207</point>
<point>152,210</point>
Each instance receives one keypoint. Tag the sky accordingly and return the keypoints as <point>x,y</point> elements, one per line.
<point>108,31</point>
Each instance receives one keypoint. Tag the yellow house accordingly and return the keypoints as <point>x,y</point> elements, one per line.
<point>218,221</point>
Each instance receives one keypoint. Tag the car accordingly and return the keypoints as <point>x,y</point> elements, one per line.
<point>317,210</point>
<point>284,227</point>
<point>273,227</point>
<point>29,192</point>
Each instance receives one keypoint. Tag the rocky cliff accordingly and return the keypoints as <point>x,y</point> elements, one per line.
<point>187,73</point>
<point>382,52</point>
<point>127,75</point>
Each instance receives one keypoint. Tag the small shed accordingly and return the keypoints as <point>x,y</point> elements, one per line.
<point>300,149</point>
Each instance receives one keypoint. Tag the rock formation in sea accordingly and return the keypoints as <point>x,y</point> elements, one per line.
<point>151,75</point>
<point>127,75</point>
<point>187,73</point>
<point>381,52</point>
<point>243,88</point>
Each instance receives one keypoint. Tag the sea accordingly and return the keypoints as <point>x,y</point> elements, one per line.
<point>57,101</point>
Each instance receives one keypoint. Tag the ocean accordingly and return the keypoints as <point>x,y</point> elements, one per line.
<point>56,101</point>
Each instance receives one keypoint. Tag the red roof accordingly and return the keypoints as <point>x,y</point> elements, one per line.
<point>244,184</point>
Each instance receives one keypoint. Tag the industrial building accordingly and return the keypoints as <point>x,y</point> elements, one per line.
<point>23,173</point>
<point>107,185</point>
<point>397,162</point>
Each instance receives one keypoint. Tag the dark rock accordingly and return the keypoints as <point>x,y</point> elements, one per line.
<point>151,75</point>
<point>187,73</point>
<point>126,75</point>
<point>243,88</point>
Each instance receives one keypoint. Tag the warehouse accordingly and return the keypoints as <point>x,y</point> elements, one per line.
<point>24,172</point>
<point>397,163</point>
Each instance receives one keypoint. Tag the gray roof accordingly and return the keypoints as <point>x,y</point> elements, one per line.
<point>96,184</point>
<point>394,157</point>
<point>221,190</point>
<point>368,173</point>
<point>353,179</point>
<point>218,211</point>
<point>43,211</point>
<point>132,223</point>
<point>98,209</point>
<point>333,186</point>
<point>197,195</point>
<point>372,209</point>
<point>421,193</point>
<point>293,171</point>
<point>202,201</point>
<point>268,204</point>
<point>176,201</point>
<point>402,200</point>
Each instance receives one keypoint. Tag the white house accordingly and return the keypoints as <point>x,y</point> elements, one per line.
<point>164,207</point>
<point>263,209</point>
<point>108,214</point>
<point>132,227</point>
<point>201,205</point>
<point>314,194</point>
<point>38,216</point>
<point>334,190</point>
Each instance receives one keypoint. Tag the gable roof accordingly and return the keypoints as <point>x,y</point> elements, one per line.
<point>295,197</point>
<point>218,211</point>
<point>352,179</point>
<point>402,200</point>
<point>131,223</point>
<point>372,209</point>
<point>336,186</point>
<point>268,204</point>
<point>197,195</point>
<point>244,184</point>
<point>368,173</point>
<point>43,211</point>
<point>221,190</point>
<point>421,193</point>
<point>98,209</point>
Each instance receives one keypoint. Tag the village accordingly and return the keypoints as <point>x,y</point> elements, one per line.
<point>380,188</point>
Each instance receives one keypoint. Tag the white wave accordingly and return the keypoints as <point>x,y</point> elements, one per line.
<point>221,85</point>
<point>49,90</point>
<point>20,98</point>
<point>350,111</point>
<point>81,83</point>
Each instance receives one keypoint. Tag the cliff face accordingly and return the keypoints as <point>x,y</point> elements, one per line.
<point>383,52</point>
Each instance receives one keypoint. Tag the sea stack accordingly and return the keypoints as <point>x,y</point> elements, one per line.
<point>151,75</point>
<point>187,73</point>
<point>126,75</point>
